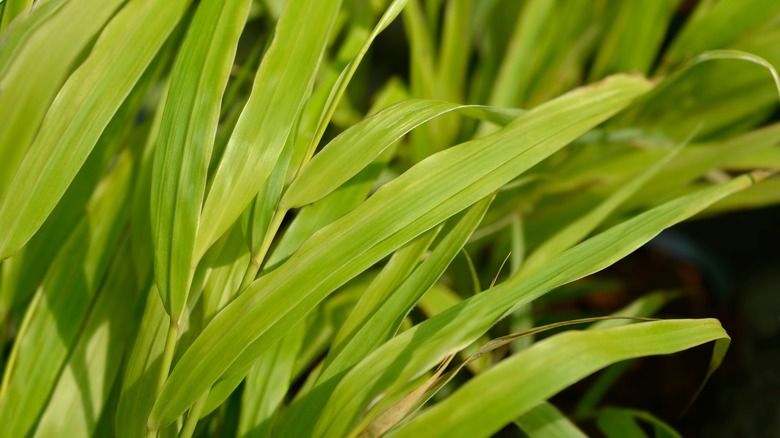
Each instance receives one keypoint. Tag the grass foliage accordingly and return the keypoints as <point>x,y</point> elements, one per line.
<point>224,218</point>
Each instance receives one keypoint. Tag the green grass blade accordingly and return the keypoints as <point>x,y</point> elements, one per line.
<point>143,363</point>
<point>710,95</point>
<point>267,384</point>
<point>761,195</point>
<point>12,9</point>
<point>340,86</point>
<point>38,70</point>
<point>344,199</point>
<point>617,424</point>
<point>382,323</point>
<point>662,430</point>
<point>422,393</point>
<point>422,198</point>
<point>739,55</point>
<point>523,318</point>
<point>218,278</point>
<point>141,246</point>
<point>717,26</point>
<point>53,323</point>
<point>395,272</point>
<point>633,37</point>
<point>486,403</point>
<point>422,81</point>
<point>226,274</point>
<point>359,145</point>
<point>223,260</point>
<point>764,157</point>
<point>579,229</point>
<point>440,298</point>
<point>320,328</point>
<point>546,421</point>
<point>15,39</point>
<point>310,128</point>
<point>514,75</point>
<point>421,22</point>
<point>19,282</point>
<point>460,325</point>
<point>327,77</point>
<point>81,394</point>
<point>79,114</point>
<point>140,377</point>
<point>453,60</point>
<point>281,87</point>
<point>545,54</point>
<point>261,221</point>
<point>242,218</point>
<point>570,41</point>
<point>312,218</point>
<point>185,141</point>
<point>695,163</point>
<point>692,163</point>
<point>322,324</point>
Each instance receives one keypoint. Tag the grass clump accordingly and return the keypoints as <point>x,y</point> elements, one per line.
<point>216,220</point>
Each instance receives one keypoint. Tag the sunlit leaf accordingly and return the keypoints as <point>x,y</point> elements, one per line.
<point>513,387</point>
<point>184,144</point>
<point>80,112</point>
<point>283,81</point>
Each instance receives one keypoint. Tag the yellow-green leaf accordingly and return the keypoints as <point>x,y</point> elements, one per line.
<point>489,401</point>
<point>80,113</point>
<point>282,84</point>
<point>185,140</point>
<point>423,197</point>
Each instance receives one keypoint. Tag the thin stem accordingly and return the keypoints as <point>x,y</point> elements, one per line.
<point>194,416</point>
<point>167,359</point>
<point>249,275</point>
<point>170,348</point>
<point>257,259</point>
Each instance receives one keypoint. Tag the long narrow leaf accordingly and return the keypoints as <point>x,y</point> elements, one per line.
<point>731,18</point>
<point>82,392</point>
<point>344,78</point>
<point>82,109</point>
<point>143,369</point>
<point>423,197</point>
<point>52,325</point>
<point>577,230</point>
<point>38,70</point>
<point>384,321</point>
<point>267,384</point>
<point>396,271</point>
<point>185,141</point>
<point>30,264</point>
<point>546,421</point>
<point>13,8</point>
<point>358,146</point>
<point>457,327</point>
<point>283,82</point>
<point>513,387</point>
